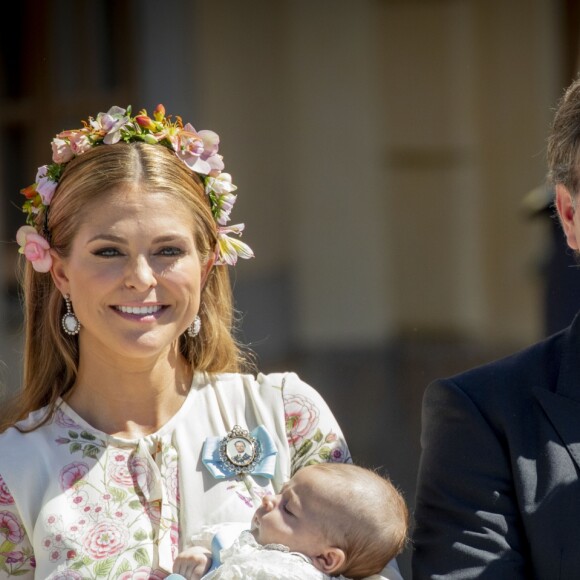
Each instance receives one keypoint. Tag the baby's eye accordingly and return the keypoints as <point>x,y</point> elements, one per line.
<point>170,251</point>
<point>287,509</point>
<point>107,252</point>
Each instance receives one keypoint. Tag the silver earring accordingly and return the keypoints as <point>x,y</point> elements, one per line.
<point>194,328</point>
<point>70,323</point>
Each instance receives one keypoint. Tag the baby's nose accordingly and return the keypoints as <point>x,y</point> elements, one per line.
<point>268,502</point>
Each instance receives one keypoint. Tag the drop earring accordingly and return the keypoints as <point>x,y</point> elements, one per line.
<point>70,323</point>
<point>194,328</point>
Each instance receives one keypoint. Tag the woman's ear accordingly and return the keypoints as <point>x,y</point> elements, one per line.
<point>58,271</point>
<point>206,269</point>
<point>330,560</point>
<point>567,212</point>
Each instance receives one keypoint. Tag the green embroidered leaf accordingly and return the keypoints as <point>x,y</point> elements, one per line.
<point>140,535</point>
<point>312,462</point>
<point>73,434</point>
<point>3,566</point>
<point>19,572</point>
<point>142,557</point>
<point>87,435</point>
<point>324,453</point>
<point>77,565</point>
<point>74,447</point>
<point>118,494</point>
<point>318,436</point>
<point>135,504</point>
<point>103,568</point>
<point>123,567</point>
<point>6,546</point>
<point>304,448</point>
<point>91,451</point>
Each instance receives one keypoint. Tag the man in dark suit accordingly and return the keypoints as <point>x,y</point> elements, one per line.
<point>498,494</point>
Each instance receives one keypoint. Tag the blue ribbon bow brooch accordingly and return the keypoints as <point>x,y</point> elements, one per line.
<point>240,452</point>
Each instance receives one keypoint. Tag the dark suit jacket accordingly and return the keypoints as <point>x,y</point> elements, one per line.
<point>498,493</point>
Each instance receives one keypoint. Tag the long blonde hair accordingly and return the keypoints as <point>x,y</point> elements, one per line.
<point>51,358</point>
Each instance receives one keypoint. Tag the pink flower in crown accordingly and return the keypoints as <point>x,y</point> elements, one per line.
<point>189,147</point>
<point>61,150</point>
<point>5,495</point>
<point>35,248</point>
<point>210,155</point>
<point>44,185</point>
<point>72,473</point>
<point>105,540</point>
<point>301,417</point>
<point>110,124</point>
<point>143,573</point>
<point>79,142</point>
<point>10,528</point>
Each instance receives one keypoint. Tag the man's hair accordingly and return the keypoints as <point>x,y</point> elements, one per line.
<point>564,141</point>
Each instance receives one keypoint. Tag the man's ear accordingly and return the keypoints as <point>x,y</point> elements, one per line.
<point>330,560</point>
<point>567,213</point>
<point>58,272</point>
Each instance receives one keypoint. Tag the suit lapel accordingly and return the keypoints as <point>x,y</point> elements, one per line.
<point>563,406</point>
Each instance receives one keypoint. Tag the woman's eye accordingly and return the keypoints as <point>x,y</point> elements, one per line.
<point>170,251</point>
<point>107,252</point>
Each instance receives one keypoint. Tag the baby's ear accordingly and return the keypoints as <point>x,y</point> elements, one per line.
<point>330,560</point>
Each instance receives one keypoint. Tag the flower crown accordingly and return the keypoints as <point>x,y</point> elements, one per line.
<point>197,149</point>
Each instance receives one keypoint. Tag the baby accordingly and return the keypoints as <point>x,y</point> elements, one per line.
<point>344,519</point>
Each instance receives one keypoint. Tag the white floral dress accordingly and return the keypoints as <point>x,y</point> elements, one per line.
<point>76,503</point>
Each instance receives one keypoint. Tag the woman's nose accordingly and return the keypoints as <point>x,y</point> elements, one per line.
<point>140,275</point>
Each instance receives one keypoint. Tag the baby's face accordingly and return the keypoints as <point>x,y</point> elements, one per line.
<point>294,516</point>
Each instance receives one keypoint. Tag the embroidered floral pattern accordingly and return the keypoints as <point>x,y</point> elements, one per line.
<point>5,495</point>
<point>116,510</point>
<point>309,441</point>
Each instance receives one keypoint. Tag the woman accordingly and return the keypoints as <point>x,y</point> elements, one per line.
<point>498,482</point>
<point>119,447</point>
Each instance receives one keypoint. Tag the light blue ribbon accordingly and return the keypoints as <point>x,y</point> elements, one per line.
<point>210,456</point>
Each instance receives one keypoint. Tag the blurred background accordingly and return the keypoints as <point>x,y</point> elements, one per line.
<point>390,160</point>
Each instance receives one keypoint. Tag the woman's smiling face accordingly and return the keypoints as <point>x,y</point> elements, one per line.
<point>133,274</point>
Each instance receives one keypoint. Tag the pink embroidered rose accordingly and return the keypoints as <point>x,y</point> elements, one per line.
<point>10,528</point>
<point>71,473</point>
<point>301,417</point>
<point>64,420</point>
<point>119,470</point>
<point>337,455</point>
<point>66,575</point>
<point>140,474</point>
<point>105,540</point>
<point>5,495</point>
<point>143,573</point>
<point>14,557</point>
<point>172,478</point>
<point>35,248</point>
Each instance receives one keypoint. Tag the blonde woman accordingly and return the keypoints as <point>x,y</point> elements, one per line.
<point>119,447</point>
